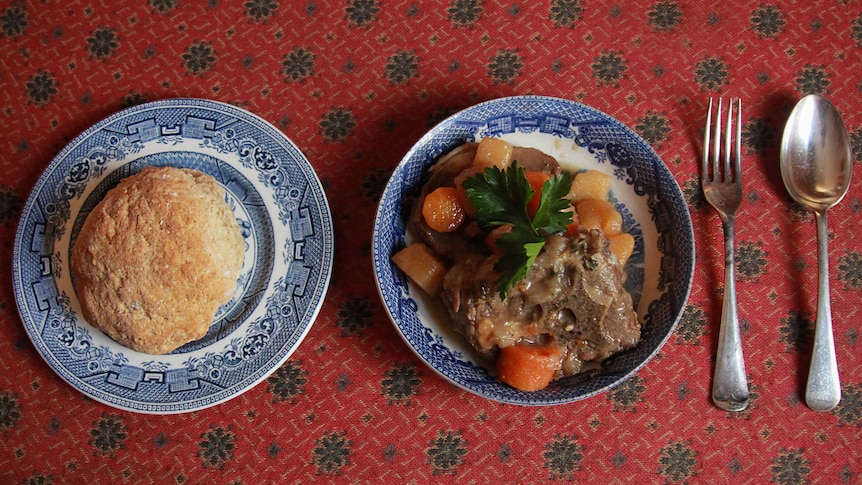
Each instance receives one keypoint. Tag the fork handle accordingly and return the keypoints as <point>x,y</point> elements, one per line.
<point>730,385</point>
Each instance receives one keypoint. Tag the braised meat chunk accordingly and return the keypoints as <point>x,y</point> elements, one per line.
<point>573,297</point>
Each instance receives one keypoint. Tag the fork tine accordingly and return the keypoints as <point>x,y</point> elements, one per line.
<point>716,170</point>
<point>728,139</point>
<point>737,169</point>
<point>704,166</point>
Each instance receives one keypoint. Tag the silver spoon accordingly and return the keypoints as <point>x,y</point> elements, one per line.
<point>816,167</point>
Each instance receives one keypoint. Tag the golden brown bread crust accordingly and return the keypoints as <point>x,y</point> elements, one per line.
<point>156,258</point>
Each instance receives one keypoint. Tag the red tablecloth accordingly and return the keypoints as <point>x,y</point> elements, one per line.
<point>354,83</point>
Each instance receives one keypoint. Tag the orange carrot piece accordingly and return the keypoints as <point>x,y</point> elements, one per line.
<point>528,367</point>
<point>573,227</point>
<point>471,171</point>
<point>443,210</point>
<point>421,265</point>
<point>494,235</point>
<point>536,181</point>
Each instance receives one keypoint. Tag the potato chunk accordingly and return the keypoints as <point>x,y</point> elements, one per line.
<point>622,245</point>
<point>599,214</point>
<point>493,152</point>
<point>421,265</point>
<point>591,184</point>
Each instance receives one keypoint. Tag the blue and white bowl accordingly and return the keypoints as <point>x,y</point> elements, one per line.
<point>660,270</point>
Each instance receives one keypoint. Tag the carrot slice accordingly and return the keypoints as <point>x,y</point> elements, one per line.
<point>528,367</point>
<point>573,227</point>
<point>494,236</point>
<point>465,174</point>
<point>536,181</point>
<point>443,210</point>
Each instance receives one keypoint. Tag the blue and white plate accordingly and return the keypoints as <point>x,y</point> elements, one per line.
<point>654,211</point>
<point>280,205</point>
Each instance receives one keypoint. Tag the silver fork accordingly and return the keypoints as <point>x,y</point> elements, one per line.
<point>722,187</point>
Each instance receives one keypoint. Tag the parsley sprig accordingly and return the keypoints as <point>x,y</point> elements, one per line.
<point>500,197</point>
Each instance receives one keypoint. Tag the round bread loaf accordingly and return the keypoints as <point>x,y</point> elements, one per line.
<point>156,258</point>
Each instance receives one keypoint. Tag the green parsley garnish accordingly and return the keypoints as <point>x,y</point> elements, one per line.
<point>501,197</point>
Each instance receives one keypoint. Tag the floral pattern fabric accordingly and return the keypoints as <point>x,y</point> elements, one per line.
<point>354,83</point>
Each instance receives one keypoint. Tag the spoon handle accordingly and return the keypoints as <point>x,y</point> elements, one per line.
<point>823,390</point>
<point>730,385</point>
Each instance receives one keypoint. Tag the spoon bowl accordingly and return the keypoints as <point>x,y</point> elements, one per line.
<point>816,167</point>
<point>815,154</point>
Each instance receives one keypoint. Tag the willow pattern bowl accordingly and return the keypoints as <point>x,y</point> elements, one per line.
<point>659,272</point>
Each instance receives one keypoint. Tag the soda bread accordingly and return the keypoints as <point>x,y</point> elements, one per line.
<point>156,258</point>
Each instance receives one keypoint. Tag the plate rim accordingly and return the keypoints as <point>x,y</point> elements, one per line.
<point>325,264</point>
<point>426,138</point>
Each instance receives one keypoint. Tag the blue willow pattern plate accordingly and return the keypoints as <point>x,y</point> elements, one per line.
<point>280,206</point>
<point>659,272</point>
